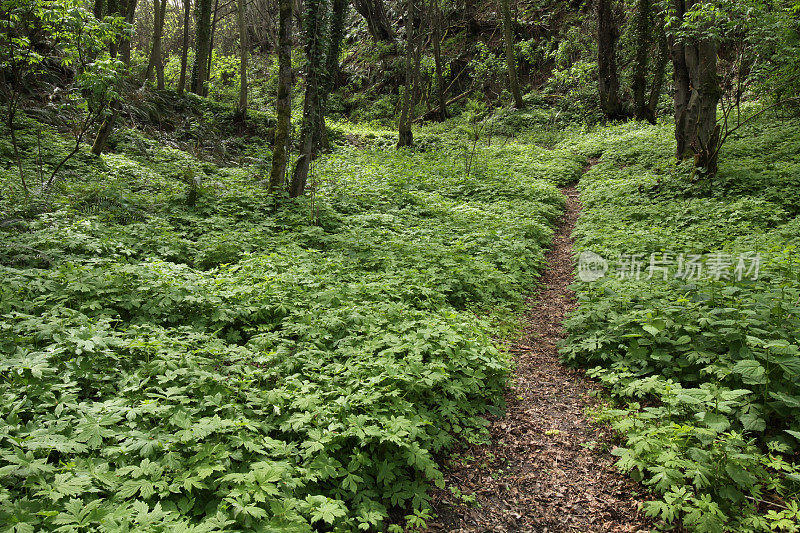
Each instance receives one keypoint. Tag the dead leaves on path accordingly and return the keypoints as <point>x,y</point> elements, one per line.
<point>547,469</point>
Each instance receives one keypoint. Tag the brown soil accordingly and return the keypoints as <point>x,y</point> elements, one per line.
<point>548,468</point>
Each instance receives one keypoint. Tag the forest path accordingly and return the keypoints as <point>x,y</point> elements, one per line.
<point>547,469</point>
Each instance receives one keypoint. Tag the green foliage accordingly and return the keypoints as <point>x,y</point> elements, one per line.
<point>247,363</point>
<point>66,32</point>
<point>762,41</point>
<point>223,81</point>
<point>486,63</point>
<point>706,371</point>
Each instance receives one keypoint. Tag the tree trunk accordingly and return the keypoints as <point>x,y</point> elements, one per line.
<point>378,23</point>
<point>129,12</point>
<point>314,23</point>
<point>338,19</point>
<point>697,93</point>
<point>241,109</point>
<point>126,9</point>
<point>419,38</point>
<point>201,47</point>
<point>159,60</point>
<point>185,51</point>
<point>511,63</point>
<point>471,18</point>
<point>98,9</point>
<point>639,83</point>
<point>101,139</point>
<point>644,106</point>
<point>608,81</point>
<point>303,164</point>
<point>680,80</point>
<point>658,73</point>
<point>436,23</point>
<point>211,42</point>
<point>151,58</point>
<point>405,135</point>
<point>159,12</point>
<point>331,71</point>
<point>112,8</point>
<point>283,104</point>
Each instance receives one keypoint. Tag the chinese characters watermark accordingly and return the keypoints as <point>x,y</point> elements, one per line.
<point>717,266</point>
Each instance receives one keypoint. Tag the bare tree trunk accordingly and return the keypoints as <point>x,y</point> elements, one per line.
<point>405,135</point>
<point>241,109</point>
<point>378,23</point>
<point>125,44</point>
<point>149,72</point>
<point>436,15</point>
<point>112,8</point>
<point>314,22</point>
<point>608,81</point>
<point>419,39</point>
<point>185,51</point>
<point>211,42</point>
<point>658,73</point>
<point>155,62</point>
<point>303,164</point>
<point>104,132</point>
<point>201,48</point>
<point>127,10</point>
<point>644,106</point>
<point>159,60</point>
<point>680,79</point>
<point>283,105</point>
<point>697,93</point>
<point>98,9</point>
<point>511,63</point>
<point>639,83</point>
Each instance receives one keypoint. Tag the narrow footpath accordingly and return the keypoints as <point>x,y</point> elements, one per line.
<point>548,468</point>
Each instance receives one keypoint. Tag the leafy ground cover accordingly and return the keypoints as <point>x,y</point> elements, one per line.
<point>704,368</point>
<point>183,352</point>
<point>547,466</point>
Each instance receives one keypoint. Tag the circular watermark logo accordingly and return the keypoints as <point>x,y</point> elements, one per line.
<point>591,266</point>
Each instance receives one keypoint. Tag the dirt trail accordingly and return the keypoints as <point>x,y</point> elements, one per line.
<point>547,468</point>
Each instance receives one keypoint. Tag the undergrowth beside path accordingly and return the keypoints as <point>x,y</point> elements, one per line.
<point>182,351</point>
<point>548,468</point>
<point>689,306</point>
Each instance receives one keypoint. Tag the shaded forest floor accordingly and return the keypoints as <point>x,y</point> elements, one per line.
<point>369,315</point>
<point>329,346</point>
<point>548,468</point>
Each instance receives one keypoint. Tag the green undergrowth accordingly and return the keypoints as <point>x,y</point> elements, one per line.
<point>183,352</point>
<point>205,128</point>
<point>705,368</point>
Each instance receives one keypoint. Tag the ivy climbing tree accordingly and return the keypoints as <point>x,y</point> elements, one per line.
<point>315,35</point>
